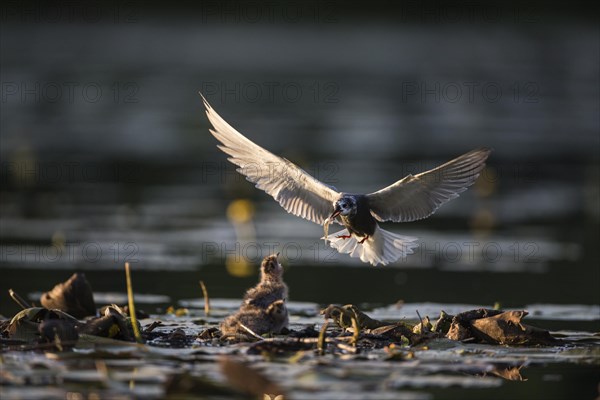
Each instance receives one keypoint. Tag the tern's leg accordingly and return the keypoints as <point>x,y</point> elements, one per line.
<point>363,239</point>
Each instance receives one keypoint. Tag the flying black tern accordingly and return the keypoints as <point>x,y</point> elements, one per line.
<point>411,198</point>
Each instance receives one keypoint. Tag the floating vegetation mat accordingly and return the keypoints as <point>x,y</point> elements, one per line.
<point>402,351</point>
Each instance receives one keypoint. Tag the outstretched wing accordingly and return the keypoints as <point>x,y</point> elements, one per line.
<point>419,196</point>
<point>296,190</point>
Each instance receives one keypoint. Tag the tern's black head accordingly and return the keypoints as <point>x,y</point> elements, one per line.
<point>345,205</point>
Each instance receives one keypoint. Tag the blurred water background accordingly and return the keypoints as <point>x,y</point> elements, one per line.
<point>106,155</point>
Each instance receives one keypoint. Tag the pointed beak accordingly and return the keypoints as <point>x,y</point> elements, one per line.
<point>336,212</point>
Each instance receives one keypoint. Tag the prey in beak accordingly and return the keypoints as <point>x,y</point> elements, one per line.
<point>337,211</point>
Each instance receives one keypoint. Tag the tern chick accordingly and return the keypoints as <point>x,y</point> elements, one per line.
<point>411,198</point>
<point>260,321</point>
<point>263,309</point>
<point>271,286</point>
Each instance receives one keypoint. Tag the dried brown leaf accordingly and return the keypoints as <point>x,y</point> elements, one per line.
<point>74,296</point>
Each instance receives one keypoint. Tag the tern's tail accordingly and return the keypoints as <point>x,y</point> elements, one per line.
<point>382,248</point>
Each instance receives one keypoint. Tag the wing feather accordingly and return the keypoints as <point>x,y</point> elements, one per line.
<point>416,197</point>
<point>293,188</point>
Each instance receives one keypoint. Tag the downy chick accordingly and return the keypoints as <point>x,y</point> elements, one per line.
<point>258,320</point>
<point>271,286</point>
<point>263,309</point>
